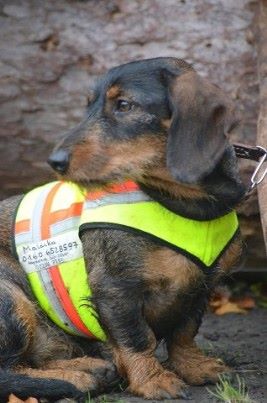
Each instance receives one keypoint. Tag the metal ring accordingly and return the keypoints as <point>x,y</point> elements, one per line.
<point>254,181</point>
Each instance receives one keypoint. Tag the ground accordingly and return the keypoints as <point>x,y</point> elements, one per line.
<point>240,340</point>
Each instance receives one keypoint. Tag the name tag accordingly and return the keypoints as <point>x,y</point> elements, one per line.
<point>44,254</point>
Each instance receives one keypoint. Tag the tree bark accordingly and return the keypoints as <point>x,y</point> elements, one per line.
<point>262,120</point>
<point>52,51</point>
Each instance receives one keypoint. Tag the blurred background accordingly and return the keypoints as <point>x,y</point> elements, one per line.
<point>51,52</point>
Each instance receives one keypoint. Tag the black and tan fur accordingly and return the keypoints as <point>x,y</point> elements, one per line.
<point>158,123</point>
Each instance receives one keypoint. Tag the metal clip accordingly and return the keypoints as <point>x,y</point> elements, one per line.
<point>257,176</point>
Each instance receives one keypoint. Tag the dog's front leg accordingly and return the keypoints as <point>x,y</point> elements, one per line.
<point>188,361</point>
<point>118,294</point>
<point>133,344</point>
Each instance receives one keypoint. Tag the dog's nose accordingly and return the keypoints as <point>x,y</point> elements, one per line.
<point>59,161</point>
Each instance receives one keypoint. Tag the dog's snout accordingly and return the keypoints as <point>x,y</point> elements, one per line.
<point>59,161</point>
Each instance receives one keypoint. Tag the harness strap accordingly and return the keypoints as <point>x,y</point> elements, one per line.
<point>258,154</point>
<point>249,152</point>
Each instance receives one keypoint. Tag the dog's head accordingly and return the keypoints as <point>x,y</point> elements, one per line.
<point>145,119</point>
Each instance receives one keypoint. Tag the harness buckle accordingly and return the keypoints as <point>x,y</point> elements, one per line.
<point>259,172</point>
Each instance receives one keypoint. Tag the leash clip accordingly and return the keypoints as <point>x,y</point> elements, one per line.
<point>259,173</point>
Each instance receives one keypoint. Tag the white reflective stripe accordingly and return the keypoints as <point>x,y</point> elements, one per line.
<point>68,224</point>
<point>55,303</point>
<point>23,238</point>
<point>121,198</point>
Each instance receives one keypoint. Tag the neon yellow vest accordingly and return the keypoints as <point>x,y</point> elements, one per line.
<point>48,247</point>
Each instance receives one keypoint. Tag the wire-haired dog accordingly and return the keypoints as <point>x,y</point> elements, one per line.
<point>154,140</point>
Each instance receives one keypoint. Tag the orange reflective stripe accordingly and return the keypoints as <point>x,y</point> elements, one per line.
<point>66,301</point>
<point>73,211</point>
<point>95,195</point>
<point>127,186</point>
<point>54,272</point>
<point>22,226</point>
<point>45,219</point>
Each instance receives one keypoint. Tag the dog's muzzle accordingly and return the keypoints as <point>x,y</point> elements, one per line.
<point>59,161</point>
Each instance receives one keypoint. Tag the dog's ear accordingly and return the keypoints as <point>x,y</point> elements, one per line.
<point>200,119</point>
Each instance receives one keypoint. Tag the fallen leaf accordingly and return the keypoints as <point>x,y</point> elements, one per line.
<point>14,399</point>
<point>229,307</point>
<point>216,302</point>
<point>222,302</point>
<point>245,302</point>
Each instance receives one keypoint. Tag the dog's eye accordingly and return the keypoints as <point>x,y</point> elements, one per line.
<point>123,106</point>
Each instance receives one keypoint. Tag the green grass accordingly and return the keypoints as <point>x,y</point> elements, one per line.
<point>103,399</point>
<point>226,392</point>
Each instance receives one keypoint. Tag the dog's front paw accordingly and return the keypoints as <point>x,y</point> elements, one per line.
<point>207,371</point>
<point>200,370</point>
<point>165,385</point>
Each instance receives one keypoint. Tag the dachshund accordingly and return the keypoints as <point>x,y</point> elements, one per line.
<point>159,126</point>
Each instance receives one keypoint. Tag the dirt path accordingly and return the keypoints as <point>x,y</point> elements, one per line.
<point>240,340</point>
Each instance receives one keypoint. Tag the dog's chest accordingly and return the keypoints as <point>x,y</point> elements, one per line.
<point>171,280</point>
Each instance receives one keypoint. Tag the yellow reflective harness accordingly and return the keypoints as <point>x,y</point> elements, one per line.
<point>47,226</point>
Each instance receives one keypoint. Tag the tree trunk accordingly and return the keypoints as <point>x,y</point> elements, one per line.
<point>262,121</point>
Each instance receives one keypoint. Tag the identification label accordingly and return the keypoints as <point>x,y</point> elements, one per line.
<point>41,255</point>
